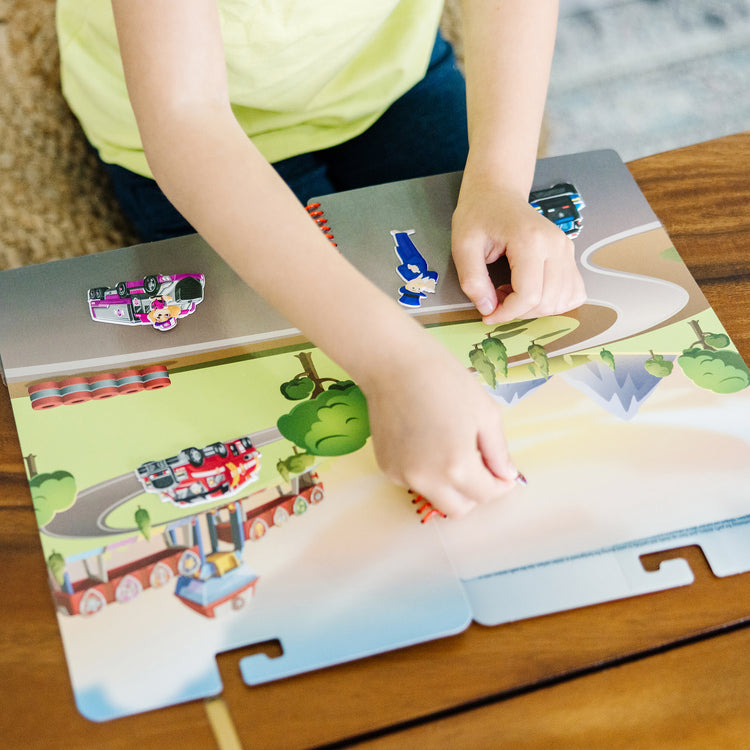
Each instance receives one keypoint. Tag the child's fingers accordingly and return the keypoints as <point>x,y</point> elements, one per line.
<point>493,450</point>
<point>474,277</point>
<point>458,501</point>
<point>527,290</point>
<point>462,488</point>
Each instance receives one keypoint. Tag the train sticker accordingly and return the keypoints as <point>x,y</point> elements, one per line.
<point>198,558</point>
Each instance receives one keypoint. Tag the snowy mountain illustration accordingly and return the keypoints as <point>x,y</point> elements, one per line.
<point>512,393</point>
<point>620,391</point>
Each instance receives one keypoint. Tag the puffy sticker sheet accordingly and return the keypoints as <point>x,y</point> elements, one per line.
<point>213,485</point>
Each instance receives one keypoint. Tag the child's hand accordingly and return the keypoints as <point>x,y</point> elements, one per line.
<point>436,431</point>
<point>489,222</point>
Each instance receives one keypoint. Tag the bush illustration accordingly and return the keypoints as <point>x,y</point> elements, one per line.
<point>538,355</point>
<point>56,565</point>
<point>51,493</point>
<point>658,366</point>
<point>608,358</point>
<point>143,522</point>
<point>710,365</point>
<point>333,423</point>
<point>481,363</point>
<point>718,371</point>
<point>490,357</point>
<point>497,353</point>
<point>297,463</point>
<point>297,388</point>
<point>306,383</point>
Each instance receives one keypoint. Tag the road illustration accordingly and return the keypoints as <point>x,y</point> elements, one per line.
<point>618,290</point>
<point>639,302</point>
<point>88,516</point>
<point>606,287</point>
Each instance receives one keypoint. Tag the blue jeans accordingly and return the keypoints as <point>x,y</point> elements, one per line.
<point>422,133</point>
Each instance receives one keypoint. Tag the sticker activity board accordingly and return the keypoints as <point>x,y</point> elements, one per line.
<point>213,485</point>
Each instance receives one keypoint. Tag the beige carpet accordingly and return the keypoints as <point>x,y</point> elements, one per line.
<point>55,201</point>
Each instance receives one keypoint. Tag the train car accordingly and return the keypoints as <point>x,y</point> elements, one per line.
<point>306,490</point>
<point>90,594</point>
<point>224,583</point>
<point>209,584</point>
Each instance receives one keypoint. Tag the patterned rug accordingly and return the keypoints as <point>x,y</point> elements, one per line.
<point>639,76</point>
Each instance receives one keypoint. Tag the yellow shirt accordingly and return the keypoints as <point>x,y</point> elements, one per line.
<point>302,75</point>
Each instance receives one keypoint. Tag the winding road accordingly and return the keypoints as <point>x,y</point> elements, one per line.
<point>88,516</point>
<point>640,302</point>
<point>656,300</point>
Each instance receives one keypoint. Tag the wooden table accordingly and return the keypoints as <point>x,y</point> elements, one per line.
<point>666,670</point>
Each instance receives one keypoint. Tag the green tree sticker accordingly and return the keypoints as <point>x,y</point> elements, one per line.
<point>608,358</point>
<point>297,463</point>
<point>143,522</point>
<point>497,353</point>
<point>717,340</point>
<point>306,383</point>
<point>333,423</point>
<point>718,371</point>
<point>481,363</point>
<point>710,365</point>
<point>51,493</point>
<point>538,355</point>
<point>658,366</point>
<point>297,389</point>
<point>56,564</point>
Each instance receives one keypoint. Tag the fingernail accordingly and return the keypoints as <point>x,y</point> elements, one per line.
<point>485,306</point>
<point>521,479</point>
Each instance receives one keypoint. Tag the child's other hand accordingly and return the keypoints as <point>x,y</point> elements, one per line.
<point>490,221</point>
<point>436,431</point>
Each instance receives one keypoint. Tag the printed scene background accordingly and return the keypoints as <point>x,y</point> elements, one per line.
<point>640,450</point>
<point>639,76</point>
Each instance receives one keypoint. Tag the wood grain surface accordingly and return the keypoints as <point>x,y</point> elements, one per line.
<point>692,697</point>
<point>670,669</point>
